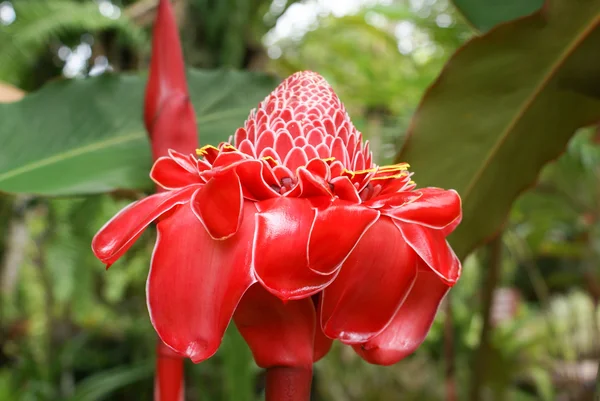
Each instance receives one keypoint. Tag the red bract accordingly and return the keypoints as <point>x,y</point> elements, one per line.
<point>292,209</point>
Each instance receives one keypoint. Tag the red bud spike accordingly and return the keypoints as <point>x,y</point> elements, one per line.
<point>168,113</point>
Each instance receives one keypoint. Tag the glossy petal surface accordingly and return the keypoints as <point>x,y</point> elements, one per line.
<point>411,324</point>
<point>278,333</point>
<point>117,236</point>
<point>432,247</point>
<point>280,248</point>
<point>435,208</point>
<point>218,205</point>
<point>195,282</point>
<point>169,174</point>
<point>371,286</point>
<point>335,232</point>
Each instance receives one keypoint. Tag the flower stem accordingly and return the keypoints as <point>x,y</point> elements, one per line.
<point>284,383</point>
<point>480,364</point>
<point>168,382</point>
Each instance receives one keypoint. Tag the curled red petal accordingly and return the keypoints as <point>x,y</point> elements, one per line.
<point>345,190</point>
<point>436,208</point>
<point>371,286</point>
<point>195,282</point>
<point>219,205</point>
<point>117,236</point>
<point>257,179</point>
<point>395,200</point>
<point>278,333</point>
<point>449,229</point>
<point>310,185</point>
<point>168,113</point>
<point>318,168</point>
<point>280,248</point>
<point>432,247</point>
<point>410,325</point>
<point>187,161</point>
<point>325,256</point>
<point>169,174</point>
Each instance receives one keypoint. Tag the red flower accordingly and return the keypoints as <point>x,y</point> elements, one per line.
<point>293,210</point>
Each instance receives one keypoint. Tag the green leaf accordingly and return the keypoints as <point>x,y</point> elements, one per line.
<point>484,14</point>
<point>504,105</point>
<point>86,136</point>
<point>101,385</point>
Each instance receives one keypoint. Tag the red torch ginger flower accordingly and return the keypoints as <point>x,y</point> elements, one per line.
<point>292,208</point>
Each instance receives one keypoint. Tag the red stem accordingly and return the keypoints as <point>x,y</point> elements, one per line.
<point>288,383</point>
<point>168,382</point>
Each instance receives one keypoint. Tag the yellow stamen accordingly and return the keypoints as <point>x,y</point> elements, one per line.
<point>202,151</point>
<point>346,171</point>
<point>270,159</point>
<point>229,146</point>
<point>395,167</point>
<point>366,171</point>
<point>385,177</point>
<point>328,159</point>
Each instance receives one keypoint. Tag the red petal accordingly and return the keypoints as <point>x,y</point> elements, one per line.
<point>344,189</point>
<point>247,147</point>
<point>280,248</point>
<point>329,246</point>
<point>218,205</point>
<point>300,142</point>
<point>315,137</point>
<point>240,135</point>
<point>393,201</point>
<point>258,180</point>
<point>323,150</point>
<point>338,150</point>
<point>283,145</point>
<point>311,152</point>
<point>265,140</point>
<point>449,229</point>
<point>411,324</point>
<point>117,236</point>
<point>169,174</point>
<point>432,247</point>
<point>435,208</point>
<point>310,185</point>
<point>318,168</point>
<point>278,333</point>
<point>187,161</point>
<point>296,158</point>
<point>371,286</point>
<point>195,282</point>
<point>225,159</point>
<point>168,114</point>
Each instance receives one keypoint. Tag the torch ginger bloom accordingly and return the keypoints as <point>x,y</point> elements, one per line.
<point>291,208</point>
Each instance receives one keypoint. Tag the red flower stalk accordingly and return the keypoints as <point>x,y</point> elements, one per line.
<point>168,112</point>
<point>292,209</point>
<point>171,124</point>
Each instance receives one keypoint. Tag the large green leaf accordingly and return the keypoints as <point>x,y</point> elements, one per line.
<point>86,136</point>
<point>506,104</point>
<point>484,14</point>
